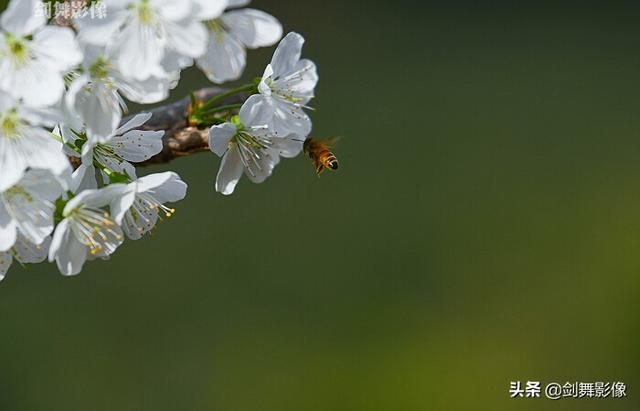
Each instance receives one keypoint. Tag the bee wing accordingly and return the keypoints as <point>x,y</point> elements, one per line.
<point>331,142</point>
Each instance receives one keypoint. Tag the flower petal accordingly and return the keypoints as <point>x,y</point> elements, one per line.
<point>287,54</point>
<point>139,50</point>
<point>224,60</point>
<point>59,235</point>
<point>299,85</point>
<point>165,187</point>
<point>256,111</point>
<point>172,63</point>
<point>171,10</point>
<point>137,145</point>
<point>117,165</point>
<point>267,77</point>
<point>67,251</point>
<point>288,147</point>
<point>113,239</point>
<point>41,116</point>
<point>230,172</point>
<point>101,31</point>
<point>237,3</point>
<point>262,169</point>
<point>32,214</point>
<point>149,91</point>
<point>96,198</point>
<point>97,104</point>
<point>219,137</point>
<point>5,264</point>
<point>41,183</point>
<point>188,37</point>
<point>210,9</point>
<point>8,229</point>
<point>84,178</point>
<point>135,122</point>
<point>120,204</point>
<point>43,152</point>
<point>12,163</point>
<point>37,84</point>
<point>28,253</point>
<point>34,148</point>
<point>136,225</point>
<point>283,119</point>
<point>254,28</point>
<point>56,47</point>
<point>23,17</point>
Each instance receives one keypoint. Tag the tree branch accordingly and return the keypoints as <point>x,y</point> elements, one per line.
<point>180,138</point>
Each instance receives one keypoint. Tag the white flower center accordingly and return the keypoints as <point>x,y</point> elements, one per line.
<point>15,191</point>
<point>252,149</point>
<point>95,229</point>
<point>144,211</point>
<point>10,124</point>
<point>146,14</point>
<point>24,249</point>
<point>18,49</point>
<point>151,203</point>
<point>101,152</point>
<point>217,27</point>
<point>100,69</point>
<point>285,86</point>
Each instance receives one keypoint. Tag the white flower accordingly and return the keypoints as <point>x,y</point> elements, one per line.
<point>24,252</point>
<point>6,258</point>
<point>87,230</point>
<point>151,192</point>
<point>287,86</point>
<point>125,146</point>
<point>34,57</point>
<point>27,208</point>
<point>249,145</point>
<point>94,97</point>
<point>23,144</point>
<point>229,36</point>
<point>139,34</point>
<point>210,9</point>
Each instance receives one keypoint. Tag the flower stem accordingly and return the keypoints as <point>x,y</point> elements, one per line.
<point>114,176</point>
<point>228,107</point>
<point>246,88</point>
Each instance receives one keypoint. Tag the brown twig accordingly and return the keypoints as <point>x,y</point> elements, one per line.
<point>180,138</point>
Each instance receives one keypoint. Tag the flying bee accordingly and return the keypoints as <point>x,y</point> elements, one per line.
<point>320,154</point>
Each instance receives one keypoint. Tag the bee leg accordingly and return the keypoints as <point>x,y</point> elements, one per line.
<point>317,166</point>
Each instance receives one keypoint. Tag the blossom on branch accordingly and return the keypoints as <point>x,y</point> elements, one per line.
<point>34,57</point>
<point>287,86</point>
<point>25,144</point>
<point>24,252</point>
<point>146,37</point>
<point>230,35</point>
<point>116,152</point>
<point>94,96</point>
<point>249,145</point>
<point>27,208</point>
<point>87,229</point>
<point>151,194</point>
<point>76,73</point>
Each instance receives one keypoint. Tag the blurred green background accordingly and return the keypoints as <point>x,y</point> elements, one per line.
<point>484,228</point>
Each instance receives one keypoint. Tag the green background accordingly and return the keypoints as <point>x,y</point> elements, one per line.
<point>484,228</point>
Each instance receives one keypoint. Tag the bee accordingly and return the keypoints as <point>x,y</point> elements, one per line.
<point>320,154</point>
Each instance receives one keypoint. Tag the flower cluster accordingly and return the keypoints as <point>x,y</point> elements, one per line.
<point>271,124</point>
<point>69,190</point>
